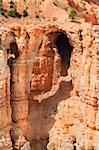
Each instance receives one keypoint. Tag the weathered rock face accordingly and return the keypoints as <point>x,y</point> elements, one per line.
<point>5,110</point>
<point>76,123</point>
<point>49,84</point>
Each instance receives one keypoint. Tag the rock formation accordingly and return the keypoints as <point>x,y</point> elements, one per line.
<point>49,76</point>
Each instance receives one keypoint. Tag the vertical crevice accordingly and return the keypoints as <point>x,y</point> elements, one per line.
<point>74,143</point>
<point>65,50</point>
<point>13,54</point>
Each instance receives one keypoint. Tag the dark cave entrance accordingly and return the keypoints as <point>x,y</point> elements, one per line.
<point>13,52</point>
<point>65,50</point>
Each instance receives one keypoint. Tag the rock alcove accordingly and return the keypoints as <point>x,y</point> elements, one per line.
<point>53,96</point>
<point>64,49</point>
<point>58,50</point>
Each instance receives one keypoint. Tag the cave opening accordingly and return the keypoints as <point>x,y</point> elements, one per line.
<point>59,46</point>
<point>13,53</point>
<point>64,49</point>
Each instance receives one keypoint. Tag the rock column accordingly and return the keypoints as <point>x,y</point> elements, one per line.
<point>5,110</point>
<point>20,79</point>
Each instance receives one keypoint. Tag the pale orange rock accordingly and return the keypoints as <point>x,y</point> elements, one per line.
<point>49,76</point>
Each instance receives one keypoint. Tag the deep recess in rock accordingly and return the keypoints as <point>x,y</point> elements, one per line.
<point>65,50</point>
<point>49,92</point>
<point>59,49</point>
<point>74,143</point>
<point>13,51</point>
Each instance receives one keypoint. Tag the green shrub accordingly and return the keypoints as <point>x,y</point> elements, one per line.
<point>0,1</point>
<point>1,7</point>
<point>13,10</point>
<point>12,13</point>
<point>2,11</point>
<point>73,14</point>
<point>13,5</point>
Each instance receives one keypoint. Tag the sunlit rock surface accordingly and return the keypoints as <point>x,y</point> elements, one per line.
<point>49,76</point>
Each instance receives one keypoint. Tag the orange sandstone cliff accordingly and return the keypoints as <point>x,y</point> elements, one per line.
<point>49,76</point>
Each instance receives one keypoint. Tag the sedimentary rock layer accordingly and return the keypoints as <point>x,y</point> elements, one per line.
<point>49,76</point>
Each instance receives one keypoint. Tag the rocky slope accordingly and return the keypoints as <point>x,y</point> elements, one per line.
<point>49,76</point>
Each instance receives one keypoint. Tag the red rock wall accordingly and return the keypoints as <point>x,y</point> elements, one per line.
<point>36,101</point>
<point>5,109</point>
<point>77,118</point>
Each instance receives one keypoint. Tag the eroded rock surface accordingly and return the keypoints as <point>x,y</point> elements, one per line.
<point>49,76</point>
